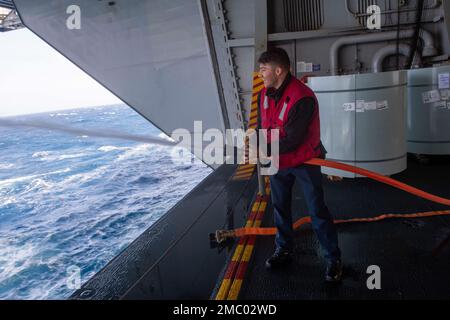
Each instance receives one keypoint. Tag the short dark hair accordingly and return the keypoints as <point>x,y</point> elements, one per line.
<point>276,56</point>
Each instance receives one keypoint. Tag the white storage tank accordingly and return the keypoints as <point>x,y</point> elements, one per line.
<point>429,111</point>
<point>363,120</point>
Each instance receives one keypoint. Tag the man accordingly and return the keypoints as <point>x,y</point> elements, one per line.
<point>290,106</point>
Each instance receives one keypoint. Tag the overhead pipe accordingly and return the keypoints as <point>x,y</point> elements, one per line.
<point>433,5</point>
<point>427,38</point>
<point>383,53</point>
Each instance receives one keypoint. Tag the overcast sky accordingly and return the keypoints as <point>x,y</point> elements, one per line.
<point>35,78</point>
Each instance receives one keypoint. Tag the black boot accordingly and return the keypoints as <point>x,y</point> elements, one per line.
<point>279,259</point>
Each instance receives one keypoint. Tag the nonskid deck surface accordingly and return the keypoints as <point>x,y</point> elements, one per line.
<point>413,254</point>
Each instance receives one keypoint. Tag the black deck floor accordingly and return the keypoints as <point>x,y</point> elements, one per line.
<point>404,249</point>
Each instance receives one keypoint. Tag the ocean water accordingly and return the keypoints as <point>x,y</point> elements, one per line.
<point>75,201</point>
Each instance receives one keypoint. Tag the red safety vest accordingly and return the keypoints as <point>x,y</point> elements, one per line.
<point>275,117</point>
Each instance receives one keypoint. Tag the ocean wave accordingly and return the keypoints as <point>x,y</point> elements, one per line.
<point>84,177</point>
<point>7,201</point>
<point>15,258</point>
<point>69,156</point>
<point>51,156</point>
<point>85,216</point>
<point>13,181</point>
<point>66,114</point>
<point>20,261</point>
<point>139,150</point>
<point>146,180</point>
<point>112,148</point>
<point>38,184</point>
<point>4,166</point>
<point>9,182</point>
<point>40,154</point>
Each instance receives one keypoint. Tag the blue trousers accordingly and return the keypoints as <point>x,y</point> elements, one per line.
<point>310,178</point>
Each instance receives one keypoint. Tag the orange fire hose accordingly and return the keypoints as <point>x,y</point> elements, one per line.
<point>380,178</point>
<point>372,175</point>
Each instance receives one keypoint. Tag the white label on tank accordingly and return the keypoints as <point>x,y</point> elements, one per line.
<point>305,66</point>
<point>349,106</point>
<point>360,105</point>
<point>431,96</point>
<point>444,81</point>
<point>448,105</point>
<point>371,105</point>
<point>301,66</point>
<point>309,67</point>
<point>445,94</point>
<point>440,105</point>
<point>382,105</point>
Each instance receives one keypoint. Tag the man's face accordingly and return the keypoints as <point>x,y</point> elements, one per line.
<point>270,73</point>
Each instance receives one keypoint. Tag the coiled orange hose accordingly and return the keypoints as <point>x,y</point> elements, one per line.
<point>369,174</point>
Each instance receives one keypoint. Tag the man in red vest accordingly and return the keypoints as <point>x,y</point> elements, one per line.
<point>291,107</point>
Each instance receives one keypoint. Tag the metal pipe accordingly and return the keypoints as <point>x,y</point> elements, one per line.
<point>434,5</point>
<point>347,7</point>
<point>428,50</point>
<point>380,55</point>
